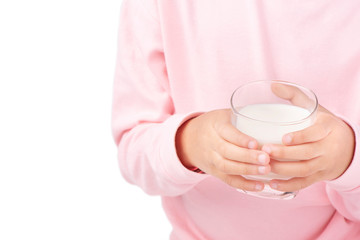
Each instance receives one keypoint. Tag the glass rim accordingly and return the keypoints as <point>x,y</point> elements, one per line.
<point>314,110</point>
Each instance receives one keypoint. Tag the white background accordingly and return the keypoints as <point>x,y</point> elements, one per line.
<point>59,177</point>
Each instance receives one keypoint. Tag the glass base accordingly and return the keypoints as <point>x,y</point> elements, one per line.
<point>270,193</point>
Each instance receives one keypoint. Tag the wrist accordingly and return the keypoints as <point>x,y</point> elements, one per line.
<point>180,145</point>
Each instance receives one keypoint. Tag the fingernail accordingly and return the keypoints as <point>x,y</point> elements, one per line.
<point>258,187</point>
<point>266,149</point>
<point>262,169</point>
<point>274,185</point>
<point>252,144</point>
<point>287,139</point>
<point>262,158</point>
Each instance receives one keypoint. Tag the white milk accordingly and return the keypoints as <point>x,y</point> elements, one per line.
<point>268,123</point>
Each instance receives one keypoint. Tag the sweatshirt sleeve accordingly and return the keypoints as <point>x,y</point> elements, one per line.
<point>144,122</point>
<point>344,192</point>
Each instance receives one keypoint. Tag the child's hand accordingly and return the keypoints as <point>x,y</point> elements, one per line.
<point>324,151</point>
<point>210,142</point>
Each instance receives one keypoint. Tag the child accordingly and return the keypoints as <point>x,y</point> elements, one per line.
<point>178,63</point>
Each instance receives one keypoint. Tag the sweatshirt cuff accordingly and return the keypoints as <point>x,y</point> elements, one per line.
<point>350,178</point>
<point>173,167</point>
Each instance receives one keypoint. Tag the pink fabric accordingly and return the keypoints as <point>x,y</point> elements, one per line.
<point>177,58</point>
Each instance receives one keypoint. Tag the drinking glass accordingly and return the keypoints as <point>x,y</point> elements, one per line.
<point>267,110</point>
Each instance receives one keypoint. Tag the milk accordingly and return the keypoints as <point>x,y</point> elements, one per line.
<point>268,123</point>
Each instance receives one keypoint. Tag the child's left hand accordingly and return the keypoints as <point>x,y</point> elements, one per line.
<point>321,152</point>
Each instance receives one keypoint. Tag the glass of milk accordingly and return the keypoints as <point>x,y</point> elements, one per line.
<point>267,110</point>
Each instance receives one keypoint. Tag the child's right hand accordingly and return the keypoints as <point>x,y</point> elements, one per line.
<point>211,143</point>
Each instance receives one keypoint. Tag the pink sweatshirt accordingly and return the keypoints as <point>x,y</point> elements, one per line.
<point>177,58</point>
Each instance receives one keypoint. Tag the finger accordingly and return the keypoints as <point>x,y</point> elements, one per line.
<point>295,184</point>
<point>231,134</point>
<point>239,168</point>
<point>294,94</point>
<point>296,152</point>
<point>240,182</point>
<point>313,133</point>
<point>324,110</point>
<point>297,168</point>
<point>233,152</point>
